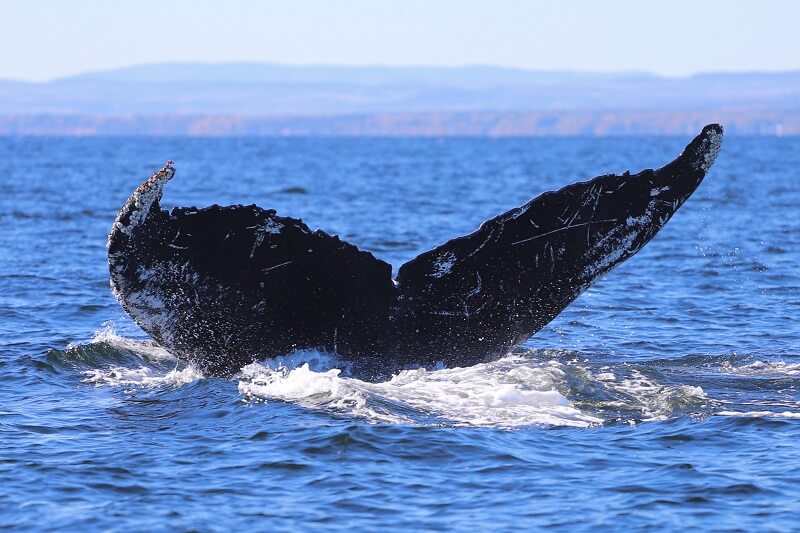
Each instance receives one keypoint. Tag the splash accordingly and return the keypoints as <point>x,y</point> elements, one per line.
<point>107,336</point>
<point>546,388</point>
<point>122,362</point>
<point>116,376</point>
<point>505,393</point>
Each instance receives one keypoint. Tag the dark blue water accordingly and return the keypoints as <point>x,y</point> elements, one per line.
<point>667,395</point>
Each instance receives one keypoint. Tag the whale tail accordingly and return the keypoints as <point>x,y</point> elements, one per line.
<point>497,286</point>
<point>223,286</point>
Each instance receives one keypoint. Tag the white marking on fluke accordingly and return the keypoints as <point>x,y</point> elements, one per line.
<point>143,198</point>
<point>710,146</point>
<point>443,264</point>
<point>269,227</point>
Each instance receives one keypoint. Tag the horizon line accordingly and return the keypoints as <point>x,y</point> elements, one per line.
<point>400,67</point>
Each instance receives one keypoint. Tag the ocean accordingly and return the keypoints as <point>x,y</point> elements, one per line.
<point>667,396</point>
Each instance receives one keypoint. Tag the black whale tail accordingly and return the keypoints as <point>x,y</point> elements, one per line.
<point>223,286</point>
<point>484,293</point>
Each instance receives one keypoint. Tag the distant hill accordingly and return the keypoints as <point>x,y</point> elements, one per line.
<point>267,99</point>
<point>250,73</point>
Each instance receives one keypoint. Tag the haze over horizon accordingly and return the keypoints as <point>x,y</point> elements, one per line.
<point>359,67</point>
<point>264,99</point>
<point>193,69</point>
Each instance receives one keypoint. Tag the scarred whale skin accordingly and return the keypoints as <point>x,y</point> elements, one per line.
<point>224,286</point>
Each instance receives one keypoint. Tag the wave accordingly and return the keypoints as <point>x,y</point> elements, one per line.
<point>116,376</point>
<point>504,393</point>
<point>109,359</point>
<point>760,414</point>
<point>535,387</point>
<point>763,368</point>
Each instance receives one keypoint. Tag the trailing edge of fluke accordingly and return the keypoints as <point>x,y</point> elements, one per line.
<point>224,286</point>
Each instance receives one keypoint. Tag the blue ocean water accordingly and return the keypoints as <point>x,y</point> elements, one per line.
<point>668,395</point>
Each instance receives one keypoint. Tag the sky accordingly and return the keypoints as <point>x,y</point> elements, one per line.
<point>46,39</point>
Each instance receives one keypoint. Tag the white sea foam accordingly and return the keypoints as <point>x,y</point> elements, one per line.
<point>142,375</point>
<point>763,368</point>
<point>511,392</point>
<point>655,401</point>
<point>760,414</point>
<point>117,376</point>
<point>515,391</point>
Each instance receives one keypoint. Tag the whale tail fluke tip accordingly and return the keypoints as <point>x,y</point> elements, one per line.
<point>712,142</point>
<point>701,153</point>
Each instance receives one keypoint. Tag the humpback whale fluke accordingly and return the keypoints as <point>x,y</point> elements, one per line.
<point>224,286</point>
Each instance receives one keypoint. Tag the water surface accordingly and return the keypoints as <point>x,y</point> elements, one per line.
<point>667,395</point>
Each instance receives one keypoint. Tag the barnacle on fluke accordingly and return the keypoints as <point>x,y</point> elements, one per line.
<point>224,286</point>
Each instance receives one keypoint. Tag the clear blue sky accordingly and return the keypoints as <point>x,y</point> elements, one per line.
<point>43,39</point>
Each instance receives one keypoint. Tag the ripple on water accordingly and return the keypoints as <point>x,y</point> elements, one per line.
<point>549,388</point>
<point>665,397</point>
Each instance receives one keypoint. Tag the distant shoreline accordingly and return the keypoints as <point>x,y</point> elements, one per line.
<point>771,123</point>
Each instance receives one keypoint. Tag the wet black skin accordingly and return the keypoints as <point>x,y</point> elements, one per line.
<point>231,285</point>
